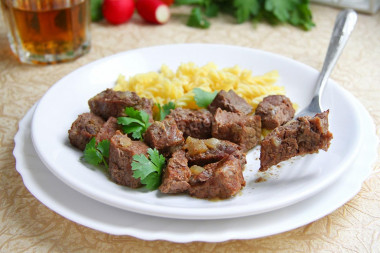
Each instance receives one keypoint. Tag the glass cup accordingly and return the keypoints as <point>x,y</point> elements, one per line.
<point>47,31</point>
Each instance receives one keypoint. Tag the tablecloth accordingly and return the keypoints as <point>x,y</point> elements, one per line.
<point>26,225</point>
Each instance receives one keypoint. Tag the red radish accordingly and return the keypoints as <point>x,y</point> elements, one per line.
<point>153,11</point>
<point>168,2</point>
<point>118,11</point>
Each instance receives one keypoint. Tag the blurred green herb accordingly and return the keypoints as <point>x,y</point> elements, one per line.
<point>197,19</point>
<point>294,12</point>
<point>96,10</point>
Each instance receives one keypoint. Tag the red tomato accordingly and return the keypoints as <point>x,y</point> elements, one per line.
<point>118,11</point>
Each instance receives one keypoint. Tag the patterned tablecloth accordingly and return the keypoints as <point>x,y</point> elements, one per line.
<point>26,225</point>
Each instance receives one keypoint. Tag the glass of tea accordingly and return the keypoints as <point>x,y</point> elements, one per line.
<point>47,31</point>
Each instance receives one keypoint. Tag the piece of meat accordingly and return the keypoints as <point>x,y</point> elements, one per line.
<point>108,130</point>
<point>242,129</point>
<point>122,150</point>
<point>304,135</point>
<point>275,110</point>
<point>201,174</point>
<point>231,102</point>
<point>222,179</point>
<point>86,126</point>
<point>194,123</point>
<point>164,135</point>
<point>110,103</point>
<point>175,177</point>
<point>204,151</point>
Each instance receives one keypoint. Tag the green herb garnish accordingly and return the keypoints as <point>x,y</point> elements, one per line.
<point>197,19</point>
<point>137,122</point>
<point>164,110</point>
<point>203,98</point>
<point>96,154</point>
<point>294,12</point>
<point>96,10</point>
<point>149,169</point>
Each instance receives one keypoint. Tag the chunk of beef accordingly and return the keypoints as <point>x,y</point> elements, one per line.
<point>222,179</point>
<point>110,103</point>
<point>204,151</point>
<point>305,135</point>
<point>163,135</point>
<point>108,129</point>
<point>201,174</point>
<point>175,178</point>
<point>231,102</point>
<point>194,123</point>
<point>275,110</point>
<point>122,150</point>
<point>242,129</point>
<point>86,126</point>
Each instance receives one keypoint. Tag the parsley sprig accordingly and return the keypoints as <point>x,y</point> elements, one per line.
<point>294,12</point>
<point>149,169</point>
<point>203,98</point>
<point>96,154</point>
<point>137,122</point>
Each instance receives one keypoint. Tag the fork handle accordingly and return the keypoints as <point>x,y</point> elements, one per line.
<point>344,24</point>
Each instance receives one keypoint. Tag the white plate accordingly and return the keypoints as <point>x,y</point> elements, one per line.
<point>295,181</point>
<point>93,214</point>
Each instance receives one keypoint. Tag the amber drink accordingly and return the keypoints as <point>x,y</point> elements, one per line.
<point>47,31</point>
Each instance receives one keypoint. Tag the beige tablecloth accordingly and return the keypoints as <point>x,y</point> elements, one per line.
<point>26,225</point>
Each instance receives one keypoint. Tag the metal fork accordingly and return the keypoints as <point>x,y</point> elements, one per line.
<point>344,24</point>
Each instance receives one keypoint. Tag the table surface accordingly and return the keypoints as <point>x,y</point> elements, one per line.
<point>26,225</point>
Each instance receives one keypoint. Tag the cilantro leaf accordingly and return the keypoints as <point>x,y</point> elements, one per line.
<point>104,148</point>
<point>203,98</point>
<point>91,154</point>
<point>136,131</point>
<point>294,12</point>
<point>149,170</point>
<point>212,10</point>
<point>129,121</point>
<point>136,123</point>
<point>96,154</point>
<point>132,112</point>
<point>141,166</point>
<point>280,8</point>
<point>156,158</point>
<point>244,9</point>
<point>164,110</point>
<point>302,16</point>
<point>152,181</point>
